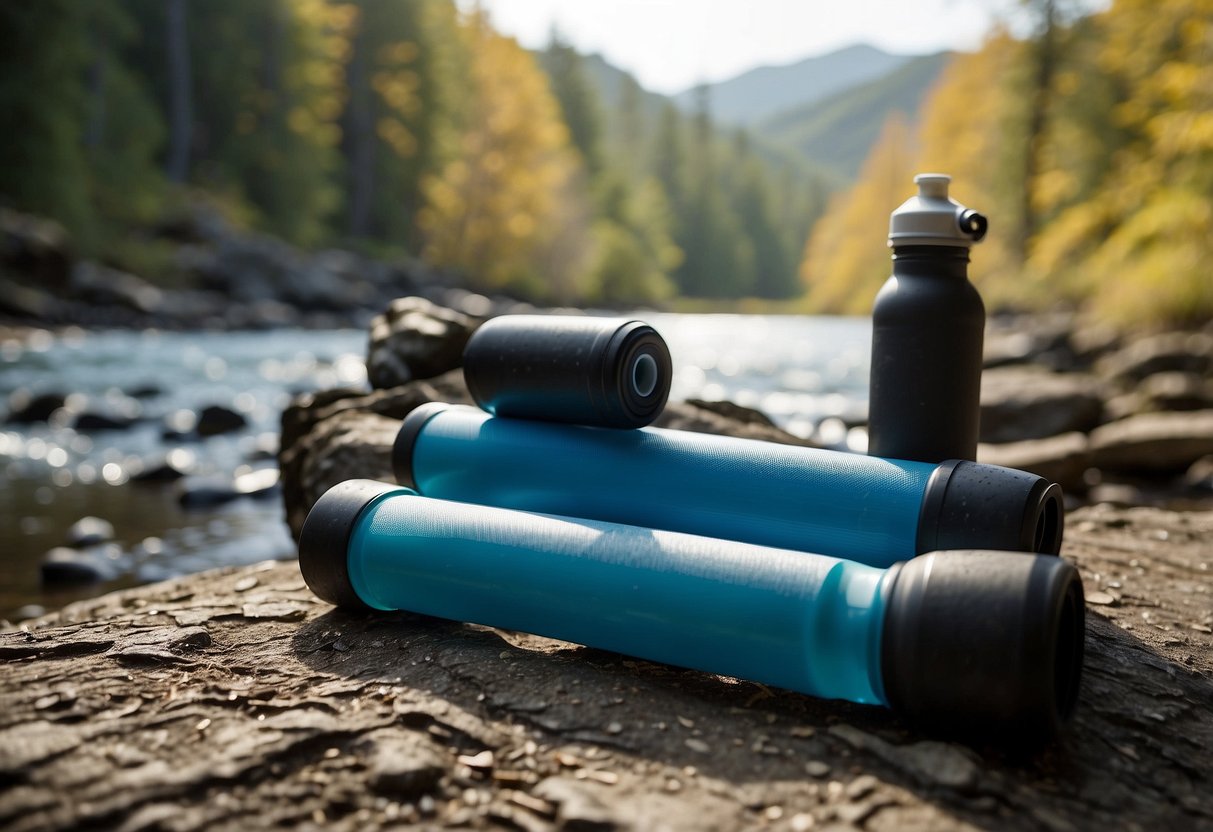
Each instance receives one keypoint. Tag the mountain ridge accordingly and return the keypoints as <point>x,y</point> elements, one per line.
<point>759,93</point>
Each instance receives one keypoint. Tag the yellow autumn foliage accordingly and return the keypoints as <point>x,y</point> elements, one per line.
<point>1123,194</point>
<point>506,212</point>
<point>846,258</point>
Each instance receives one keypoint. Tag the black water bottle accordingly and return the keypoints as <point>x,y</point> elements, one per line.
<point>927,329</point>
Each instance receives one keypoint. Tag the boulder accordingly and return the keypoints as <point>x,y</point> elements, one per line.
<point>726,419</point>
<point>216,419</point>
<point>1200,476</point>
<point>29,303</point>
<point>1161,443</point>
<point>337,435</point>
<point>1032,403</point>
<point>1063,459</point>
<point>196,493</point>
<point>1177,391</point>
<point>63,566</point>
<point>1160,392</point>
<point>100,285</point>
<point>89,531</point>
<point>26,407</point>
<point>34,249</point>
<point>166,467</point>
<point>201,493</point>
<point>259,484</point>
<point>100,420</point>
<point>1185,352</point>
<point>416,339</point>
<point>1029,339</point>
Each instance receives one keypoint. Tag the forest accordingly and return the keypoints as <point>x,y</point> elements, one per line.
<point>412,127</point>
<point>385,126</point>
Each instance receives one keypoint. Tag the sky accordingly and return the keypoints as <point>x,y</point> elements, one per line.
<point>671,45</point>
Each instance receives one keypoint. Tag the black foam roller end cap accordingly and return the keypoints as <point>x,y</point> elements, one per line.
<point>325,538</point>
<point>971,505</point>
<point>984,643</point>
<point>406,437</point>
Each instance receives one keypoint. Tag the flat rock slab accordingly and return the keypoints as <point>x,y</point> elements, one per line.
<point>233,699</point>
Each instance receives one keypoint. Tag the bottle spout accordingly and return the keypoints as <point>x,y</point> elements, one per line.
<point>933,185</point>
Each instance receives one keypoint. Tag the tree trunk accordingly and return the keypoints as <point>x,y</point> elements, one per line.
<point>94,132</point>
<point>1044,68</point>
<point>181,107</point>
<point>360,138</point>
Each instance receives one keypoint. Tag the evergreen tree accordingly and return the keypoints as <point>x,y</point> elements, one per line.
<point>774,271</point>
<point>124,130</point>
<point>263,109</point>
<point>401,119</point>
<point>718,261</point>
<point>669,160</point>
<point>634,251</point>
<point>579,102</point>
<point>43,60</point>
<point>630,137</point>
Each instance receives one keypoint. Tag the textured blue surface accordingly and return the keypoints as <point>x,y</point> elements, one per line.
<point>805,622</point>
<point>846,505</point>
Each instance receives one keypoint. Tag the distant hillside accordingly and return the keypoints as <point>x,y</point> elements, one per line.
<point>609,80</point>
<point>761,93</point>
<point>837,133</point>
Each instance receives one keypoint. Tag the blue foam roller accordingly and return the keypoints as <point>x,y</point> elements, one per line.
<point>875,511</point>
<point>985,638</point>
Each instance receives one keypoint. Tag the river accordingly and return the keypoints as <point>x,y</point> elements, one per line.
<point>809,374</point>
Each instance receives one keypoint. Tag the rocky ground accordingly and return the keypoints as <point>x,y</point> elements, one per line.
<point>1113,418</point>
<point>236,700</point>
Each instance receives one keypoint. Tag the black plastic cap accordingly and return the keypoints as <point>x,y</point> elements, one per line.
<point>984,643</point>
<point>636,373</point>
<point>970,505</point>
<point>575,369</point>
<point>406,437</point>
<point>325,538</point>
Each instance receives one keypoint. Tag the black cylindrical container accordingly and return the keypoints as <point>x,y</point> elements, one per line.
<point>600,372</point>
<point>927,329</point>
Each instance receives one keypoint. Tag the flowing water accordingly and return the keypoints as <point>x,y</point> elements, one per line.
<point>809,374</point>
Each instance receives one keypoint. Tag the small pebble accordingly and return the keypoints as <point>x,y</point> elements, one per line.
<point>801,822</point>
<point>245,584</point>
<point>614,728</point>
<point>862,786</point>
<point>698,745</point>
<point>1101,598</point>
<point>816,768</point>
<point>483,760</point>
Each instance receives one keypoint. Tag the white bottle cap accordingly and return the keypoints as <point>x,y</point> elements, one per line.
<point>932,218</point>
